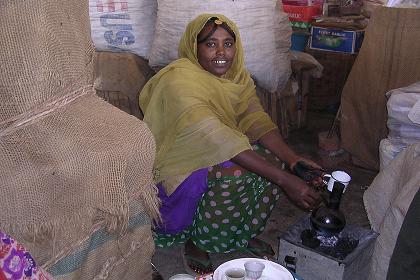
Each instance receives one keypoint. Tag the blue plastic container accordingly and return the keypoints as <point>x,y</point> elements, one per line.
<point>299,41</point>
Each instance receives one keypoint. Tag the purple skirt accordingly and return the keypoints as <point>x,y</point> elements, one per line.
<point>178,209</point>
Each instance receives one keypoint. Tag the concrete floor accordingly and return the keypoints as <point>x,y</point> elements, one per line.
<point>304,141</point>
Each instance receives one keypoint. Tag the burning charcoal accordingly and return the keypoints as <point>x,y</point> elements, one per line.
<point>328,241</point>
<point>309,239</point>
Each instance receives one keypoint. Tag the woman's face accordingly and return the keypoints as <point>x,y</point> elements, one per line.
<point>216,54</point>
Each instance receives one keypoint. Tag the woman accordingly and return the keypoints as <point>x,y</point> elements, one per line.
<point>217,189</point>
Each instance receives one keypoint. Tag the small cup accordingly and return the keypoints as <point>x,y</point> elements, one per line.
<point>253,269</point>
<point>335,176</point>
<point>235,274</point>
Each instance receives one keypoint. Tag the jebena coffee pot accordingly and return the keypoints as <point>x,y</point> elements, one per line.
<point>329,220</point>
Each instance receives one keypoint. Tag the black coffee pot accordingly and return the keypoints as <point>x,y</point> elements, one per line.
<point>329,220</point>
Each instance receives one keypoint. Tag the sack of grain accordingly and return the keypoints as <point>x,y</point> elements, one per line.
<point>123,25</point>
<point>78,171</point>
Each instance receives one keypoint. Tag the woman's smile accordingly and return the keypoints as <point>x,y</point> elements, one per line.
<point>220,62</point>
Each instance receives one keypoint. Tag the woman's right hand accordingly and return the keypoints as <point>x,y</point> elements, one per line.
<point>300,193</point>
<point>295,188</point>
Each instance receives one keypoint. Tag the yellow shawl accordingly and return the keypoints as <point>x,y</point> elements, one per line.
<point>199,120</point>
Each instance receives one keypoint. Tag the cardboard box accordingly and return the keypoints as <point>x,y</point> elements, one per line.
<point>312,265</point>
<point>303,2</point>
<point>302,13</point>
<point>336,40</point>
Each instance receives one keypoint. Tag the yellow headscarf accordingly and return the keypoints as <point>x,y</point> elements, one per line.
<point>199,120</point>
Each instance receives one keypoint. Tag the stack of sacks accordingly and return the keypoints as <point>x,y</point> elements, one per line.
<point>265,34</point>
<point>403,122</point>
<point>154,31</point>
<point>75,172</point>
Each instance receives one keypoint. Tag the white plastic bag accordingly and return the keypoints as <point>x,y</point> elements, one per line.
<point>403,3</point>
<point>403,113</point>
<point>414,114</point>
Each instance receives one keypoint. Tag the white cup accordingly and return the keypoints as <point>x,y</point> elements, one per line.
<point>337,176</point>
<point>253,269</point>
<point>235,274</point>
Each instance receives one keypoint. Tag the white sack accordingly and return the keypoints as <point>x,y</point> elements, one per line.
<point>126,25</point>
<point>403,3</point>
<point>387,201</point>
<point>264,29</point>
<point>403,111</point>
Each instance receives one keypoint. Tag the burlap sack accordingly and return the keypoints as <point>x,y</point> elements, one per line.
<point>71,165</point>
<point>389,59</point>
<point>119,78</point>
<point>387,201</point>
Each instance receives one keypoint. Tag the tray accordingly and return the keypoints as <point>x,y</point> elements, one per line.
<point>272,271</point>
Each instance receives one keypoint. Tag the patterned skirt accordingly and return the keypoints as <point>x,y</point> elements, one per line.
<point>234,209</point>
<point>16,263</point>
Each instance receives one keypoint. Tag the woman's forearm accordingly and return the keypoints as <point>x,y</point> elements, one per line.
<point>274,142</point>
<point>294,187</point>
<point>253,162</point>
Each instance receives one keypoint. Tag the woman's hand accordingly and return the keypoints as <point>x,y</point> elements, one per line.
<point>295,188</point>
<point>308,170</point>
<point>300,193</point>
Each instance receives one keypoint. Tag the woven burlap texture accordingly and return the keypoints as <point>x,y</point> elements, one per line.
<point>389,59</point>
<point>69,160</point>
